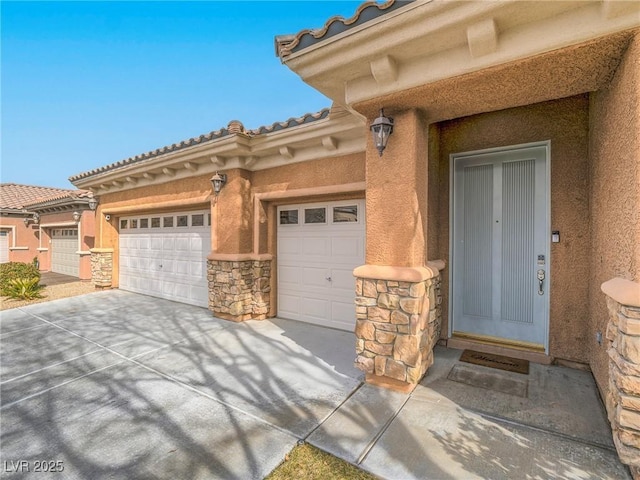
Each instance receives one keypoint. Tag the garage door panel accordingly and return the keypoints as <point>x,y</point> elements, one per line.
<point>166,262</point>
<point>289,275</point>
<point>314,277</point>
<point>64,245</point>
<point>317,246</point>
<point>289,306</point>
<point>343,279</point>
<point>316,262</point>
<point>342,312</point>
<point>348,248</point>
<point>315,308</point>
<point>288,246</point>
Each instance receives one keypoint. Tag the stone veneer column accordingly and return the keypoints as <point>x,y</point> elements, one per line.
<point>398,323</point>
<point>239,286</point>
<point>623,398</point>
<point>102,267</point>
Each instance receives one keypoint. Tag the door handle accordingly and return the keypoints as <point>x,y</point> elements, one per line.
<point>327,278</point>
<point>541,277</point>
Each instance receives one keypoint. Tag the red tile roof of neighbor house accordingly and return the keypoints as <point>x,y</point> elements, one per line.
<point>288,44</point>
<point>234,127</point>
<point>14,196</point>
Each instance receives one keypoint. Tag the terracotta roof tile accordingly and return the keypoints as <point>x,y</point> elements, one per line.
<point>14,196</point>
<point>288,44</point>
<point>233,128</point>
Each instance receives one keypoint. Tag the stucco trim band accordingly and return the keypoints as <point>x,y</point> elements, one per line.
<point>186,202</point>
<point>98,250</point>
<point>623,291</point>
<point>400,274</point>
<point>240,257</point>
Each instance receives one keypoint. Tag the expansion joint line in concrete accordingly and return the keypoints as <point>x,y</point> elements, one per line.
<point>353,392</point>
<point>165,376</point>
<point>497,418</point>
<point>384,428</point>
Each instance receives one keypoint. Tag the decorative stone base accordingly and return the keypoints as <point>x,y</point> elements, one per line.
<point>239,289</point>
<point>398,323</point>
<point>102,267</point>
<point>623,398</point>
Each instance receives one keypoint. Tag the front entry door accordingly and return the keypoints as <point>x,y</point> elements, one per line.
<point>500,251</point>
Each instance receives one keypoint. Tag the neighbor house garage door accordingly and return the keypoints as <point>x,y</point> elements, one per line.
<point>4,246</point>
<point>165,255</point>
<point>64,251</point>
<point>319,245</point>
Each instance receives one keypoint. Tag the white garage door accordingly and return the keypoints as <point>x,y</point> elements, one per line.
<point>165,256</point>
<point>319,245</point>
<point>64,248</point>
<point>4,246</point>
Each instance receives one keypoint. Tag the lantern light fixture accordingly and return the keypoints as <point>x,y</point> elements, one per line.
<point>93,203</point>
<point>218,181</point>
<point>76,216</point>
<point>26,221</point>
<point>36,218</point>
<point>381,128</point>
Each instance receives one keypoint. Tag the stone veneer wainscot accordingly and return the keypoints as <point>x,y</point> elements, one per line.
<point>239,286</point>
<point>623,398</point>
<point>399,317</point>
<point>102,267</point>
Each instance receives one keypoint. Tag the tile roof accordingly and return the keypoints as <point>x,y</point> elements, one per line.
<point>234,127</point>
<point>288,44</point>
<point>14,196</point>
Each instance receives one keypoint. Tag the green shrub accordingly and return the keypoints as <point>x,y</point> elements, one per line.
<point>14,271</point>
<point>24,288</point>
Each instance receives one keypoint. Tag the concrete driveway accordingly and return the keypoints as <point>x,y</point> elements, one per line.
<point>124,386</point>
<point>119,385</point>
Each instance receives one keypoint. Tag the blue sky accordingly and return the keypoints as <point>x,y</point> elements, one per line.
<point>85,84</point>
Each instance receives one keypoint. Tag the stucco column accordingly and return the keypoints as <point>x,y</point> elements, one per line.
<point>397,195</point>
<point>398,299</point>
<point>239,279</point>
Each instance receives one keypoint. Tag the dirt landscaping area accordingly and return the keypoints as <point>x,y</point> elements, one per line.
<point>51,292</point>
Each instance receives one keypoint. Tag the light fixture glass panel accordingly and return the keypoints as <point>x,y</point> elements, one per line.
<point>315,215</point>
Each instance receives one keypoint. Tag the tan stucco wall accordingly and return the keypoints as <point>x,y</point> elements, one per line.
<point>615,195</point>
<point>397,195</point>
<point>565,123</point>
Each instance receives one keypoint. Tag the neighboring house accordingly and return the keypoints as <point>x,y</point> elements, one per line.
<point>53,225</point>
<point>507,195</point>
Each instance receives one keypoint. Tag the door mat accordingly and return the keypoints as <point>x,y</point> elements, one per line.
<point>496,361</point>
<point>496,381</point>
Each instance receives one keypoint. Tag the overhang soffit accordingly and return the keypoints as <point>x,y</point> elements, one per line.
<point>413,48</point>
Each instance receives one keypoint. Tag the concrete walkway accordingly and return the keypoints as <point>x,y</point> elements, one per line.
<point>118,385</point>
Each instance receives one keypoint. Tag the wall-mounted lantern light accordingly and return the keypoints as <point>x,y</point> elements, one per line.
<point>26,221</point>
<point>218,181</point>
<point>76,216</point>
<point>93,203</point>
<point>381,128</point>
<point>36,218</point>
